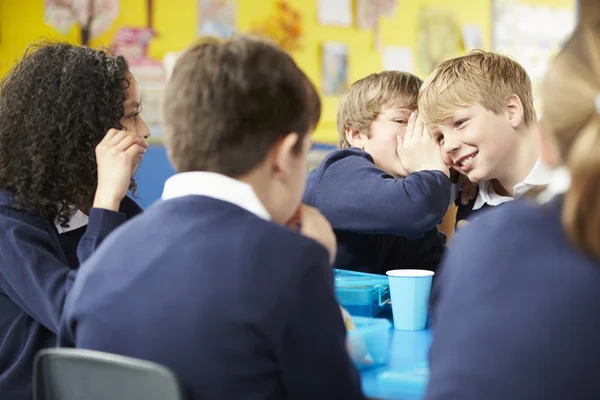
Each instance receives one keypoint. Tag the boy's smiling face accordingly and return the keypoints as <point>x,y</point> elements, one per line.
<point>476,142</point>
<point>381,141</point>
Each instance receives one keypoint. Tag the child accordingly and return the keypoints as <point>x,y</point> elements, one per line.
<point>57,199</point>
<point>383,191</point>
<point>518,313</point>
<point>479,108</point>
<point>209,281</point>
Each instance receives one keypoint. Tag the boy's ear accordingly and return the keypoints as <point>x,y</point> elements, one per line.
<point>283,154</point>
<point>355,138</point>
<point>514,111</point>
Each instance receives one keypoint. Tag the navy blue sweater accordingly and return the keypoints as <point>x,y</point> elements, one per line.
<point>381,223</point>
<point>35,276</point>
<point>465,211</point>
<point>519,311</point>
<point>238,307</point>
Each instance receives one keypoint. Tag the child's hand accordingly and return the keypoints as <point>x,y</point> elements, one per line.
<point>117,155</point>
<point>469,190</point>
<point>461,224</point>
<point>314,225</point>
<point>418,151</point>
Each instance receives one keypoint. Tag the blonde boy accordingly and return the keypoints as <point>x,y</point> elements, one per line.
<point>387,187</point>
<point>479,108</point>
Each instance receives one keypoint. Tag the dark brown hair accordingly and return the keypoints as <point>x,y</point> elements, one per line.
<point>228,102</point>
<point>56,105</point>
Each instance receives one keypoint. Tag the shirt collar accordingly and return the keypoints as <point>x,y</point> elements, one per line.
<point>77,220</point>
<point>540,175</point>
<point>216,186</point>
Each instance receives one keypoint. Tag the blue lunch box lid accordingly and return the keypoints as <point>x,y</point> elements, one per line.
<point>353,279</point>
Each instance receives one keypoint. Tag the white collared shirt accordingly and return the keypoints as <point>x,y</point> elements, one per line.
<point>216,186</point>
<point>540,175</point>
<point>77,220</point>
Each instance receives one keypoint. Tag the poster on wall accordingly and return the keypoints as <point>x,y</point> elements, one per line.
<point>440,38</point>
<point>335,68</point>
<point>398,58</point>
<point>367,14</point>
<point>472,37</point>
<point>216,18</point>
<point>93,16</point>
<point>283,26</point>
<point>132,43</point>
<point>334,12</point>
<point>369,11</point>
<point>532,34</point>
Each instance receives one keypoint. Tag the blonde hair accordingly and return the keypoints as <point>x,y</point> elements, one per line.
<point>480,77</point>
<point>365,99</point>
<point>571,115</point>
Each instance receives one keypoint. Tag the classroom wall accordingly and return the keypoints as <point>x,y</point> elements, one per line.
<point>22,21</point>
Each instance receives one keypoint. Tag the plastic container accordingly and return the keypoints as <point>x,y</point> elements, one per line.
<point>407,383</point>
<point>362,294</point>
<point>369,343</point>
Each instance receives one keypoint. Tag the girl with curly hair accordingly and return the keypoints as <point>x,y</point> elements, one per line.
<point>71,139</point>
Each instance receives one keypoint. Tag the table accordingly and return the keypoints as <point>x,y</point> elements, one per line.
<point>405,375</point>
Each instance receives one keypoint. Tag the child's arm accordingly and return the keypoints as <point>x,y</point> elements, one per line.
<point>101,222</point>
<point>311,223</point>
<point>32,272</point>
<point>355,195</point>
<point>117,156</point>
<point>314,361</point>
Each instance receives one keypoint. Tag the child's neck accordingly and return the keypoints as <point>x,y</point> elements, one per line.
<point>519,165</point>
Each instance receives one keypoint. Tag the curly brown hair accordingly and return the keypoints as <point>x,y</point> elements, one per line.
<point>56,105</point>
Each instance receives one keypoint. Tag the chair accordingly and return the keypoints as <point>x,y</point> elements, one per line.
<point>77,374</point>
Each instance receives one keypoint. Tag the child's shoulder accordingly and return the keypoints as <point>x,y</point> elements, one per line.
<point>345,162</point>
<point>350,154</point>
<point>512,225</point>
<point>12,217</point>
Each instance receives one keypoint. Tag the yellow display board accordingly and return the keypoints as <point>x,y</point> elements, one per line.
<point>22,21</point>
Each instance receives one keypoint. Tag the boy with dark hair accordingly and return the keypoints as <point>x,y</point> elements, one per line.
<point>211,282</point>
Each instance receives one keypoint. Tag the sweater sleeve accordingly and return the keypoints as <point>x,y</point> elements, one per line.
<point>32,272</point>
<point>101,222</point>
<point>355,195</point>
<point>315,362</point>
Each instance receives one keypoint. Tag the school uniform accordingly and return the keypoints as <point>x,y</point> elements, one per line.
<point>537,179</point>
<point>518,315</point>
<point>381,223</point>
<point>205,284</point>
<point>37,268</point>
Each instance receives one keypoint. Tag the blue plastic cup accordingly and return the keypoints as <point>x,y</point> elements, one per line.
<point>409,290</point>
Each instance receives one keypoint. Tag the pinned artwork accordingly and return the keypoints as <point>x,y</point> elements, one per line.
<point>440,38</point>
<point>93,16</point>
<point>132,43</point>
<point>216,18</point>
<point>532,35</point>
<point>335,68</point>
<point>283,26</point>
<point>370,11</point>
<point>472,37</point>
<point>334,12</point>
<point>398,58</point>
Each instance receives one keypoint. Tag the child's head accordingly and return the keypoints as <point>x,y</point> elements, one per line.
<point>244,109</point>
<point>374,111</point>
<point>56,105</point>
<point>571,132</point>
<point>478,107</point>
